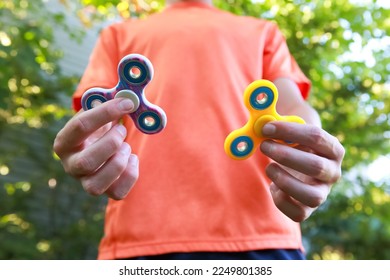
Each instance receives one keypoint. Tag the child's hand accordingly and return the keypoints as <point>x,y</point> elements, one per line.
<point>91,147</point>
<point>302,176</point>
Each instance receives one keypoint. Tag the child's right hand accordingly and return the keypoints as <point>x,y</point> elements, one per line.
<point>91,148</point>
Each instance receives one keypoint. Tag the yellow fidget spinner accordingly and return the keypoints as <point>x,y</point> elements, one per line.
<point>260,98</point>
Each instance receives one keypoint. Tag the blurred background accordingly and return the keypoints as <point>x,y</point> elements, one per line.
<point>343,46</point>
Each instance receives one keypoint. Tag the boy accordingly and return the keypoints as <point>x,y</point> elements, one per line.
<point>188,199</point>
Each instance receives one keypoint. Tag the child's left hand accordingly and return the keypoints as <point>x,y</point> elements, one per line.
<point>302,176</point>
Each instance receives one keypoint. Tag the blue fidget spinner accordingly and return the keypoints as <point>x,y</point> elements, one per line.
<point>135,71</point>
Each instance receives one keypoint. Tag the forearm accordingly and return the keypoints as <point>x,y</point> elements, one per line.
<point>291,102</point>
<point>306,112</point>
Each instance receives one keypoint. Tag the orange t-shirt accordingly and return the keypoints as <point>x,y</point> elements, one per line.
<point>190,195</point>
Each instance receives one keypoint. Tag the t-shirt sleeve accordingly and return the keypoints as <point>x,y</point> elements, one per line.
<point>101,70</point>
<point>279,63</point>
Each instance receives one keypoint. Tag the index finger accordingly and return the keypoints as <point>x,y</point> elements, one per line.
<point>308,135</point>
<point>83,124</point>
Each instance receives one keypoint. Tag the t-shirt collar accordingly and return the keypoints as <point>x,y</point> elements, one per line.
<point>185,4</point>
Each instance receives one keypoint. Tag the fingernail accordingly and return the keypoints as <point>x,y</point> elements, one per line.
<point>125,148</point>
<point>134,160</point>
<point>273,169</point>
<point>269,129</point>
<point>121,129</point>
<point>266,147</point>
<point>126,105</point>
<point>272,172</point>
<point>273,189</point>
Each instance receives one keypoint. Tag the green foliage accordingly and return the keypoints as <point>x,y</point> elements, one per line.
<point>43,213</point>
<point>359,229</point>
<point>342,46</point>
